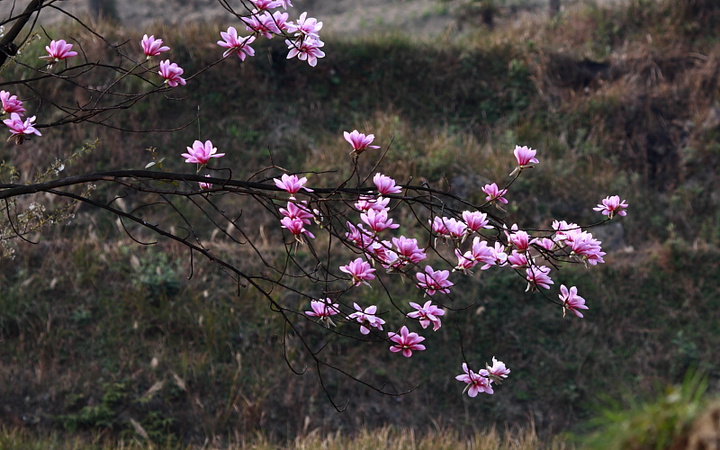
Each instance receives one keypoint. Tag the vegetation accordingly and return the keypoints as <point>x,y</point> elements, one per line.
<point>112,342</point>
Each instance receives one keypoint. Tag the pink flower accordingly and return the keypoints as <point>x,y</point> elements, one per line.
<point>427,314</point>
<point>546,243</point>
<point>481,252</point>
<point>18,127</point>
<point>476,220</point>
<point>406,342</point>
<point>305,26</point>
<point>366,202</point>
<point>408,249</point>
<point>367,319</point>
<point>465,261</point>
<point>323,309</point>
<point>494,193</point>
<point>266,4</point>
<point>279,22</point>
<point>585,247</point>
<point>499,254</point>
<point>296,226</point>
<point>58,50</point>
<point>571,301</point>
<point>360,271</point>
<point>519,239</point>
<point>263,24</point>
<point>378,220</point>
<point>497,370</point>
<point>359,236</point>
<point>234,45</point>
<point>359,141</point>
<point>291,183</point>
<point>449,227</point>
<point>386,185</point>
<point>476,382</point>
<point>432,281</point>
<point>563,229</point>
<point>152,46</point>
<point>307,48</point>
<point>10,103</point>
<point>612,205</point>
<point>201,153</point>
<point>171,72</point>
<point>204,185</point>
<point>517,260</point>
<point>294,211</point>
<point>525,158</point>
<point>537,276</point>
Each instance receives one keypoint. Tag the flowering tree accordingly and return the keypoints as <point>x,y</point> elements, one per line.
<point>369,231</point>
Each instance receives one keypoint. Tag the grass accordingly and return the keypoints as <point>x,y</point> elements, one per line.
<point>110,338</point>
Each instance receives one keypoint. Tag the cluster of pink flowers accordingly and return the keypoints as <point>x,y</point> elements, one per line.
<point>18,126</point>
<point>170,72</point>
<point>513,248</point>
<point>305,43</point>
<point>482,380</point>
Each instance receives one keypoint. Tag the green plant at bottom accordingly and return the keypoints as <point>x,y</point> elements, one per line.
<point>654,424</point>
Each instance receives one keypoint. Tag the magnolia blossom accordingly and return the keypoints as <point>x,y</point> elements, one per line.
<point>386,185</point>
<point>537,276</point>
<point>517,260</point>
<point>366,202</point>
<point>323,309</point>
<point>58,50</point>
<point>476,220</point>
<point>305,26</point>
<point>171,72</point>
<point>205,185</point>
<point>20,127</point>
<point>266,4</point>
<point>408,249</point>
<point>612,205</point>
<point>476,382</point>
<point>427,314</point>
<point>291,183</point>
<point>406,342</point>
<point>295,211</point>
<point>571,301</point>
<point>525,158</point>
<point>367,318</point>
<point>296,226</point>
<point>585,246</point>
<point>494,193</point>
<point>152,47</point>
<point>378,220</point>
<point>306,49</point>
<point>519,239</point>
<point>432,281</point>
<point>498,370</point>
<point>262,23</point>
<point>233,44</point>
<point>448,227</point>
<point>10,103</point>
<point>360,271</point>
<point>201,153</point>
<point>360,236</point>
<point>359,141</point>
